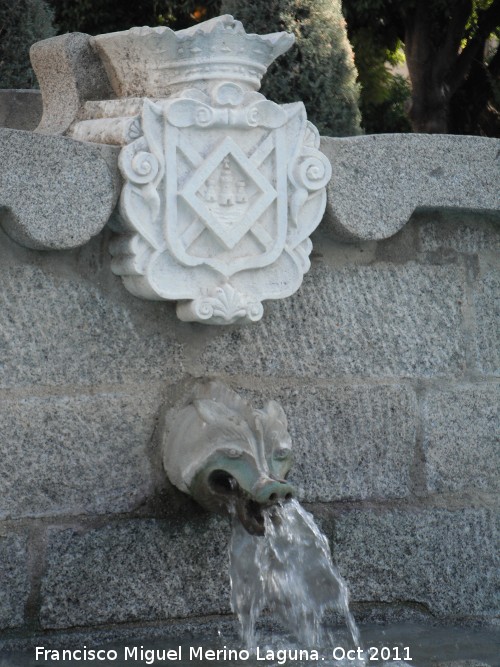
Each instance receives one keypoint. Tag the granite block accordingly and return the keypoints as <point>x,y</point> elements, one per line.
<point>66,328</point>
<point>486,304</point>
<point>380,180</point>
<point>75,455</point>
<point>462,439</point>
<point>140,570</point>
<point>445,561</point>
<point>54,192</point>
<point>358,320</point>
<point>350,442</point>
<point>463,231</point>
<point>14,578</point>
<point>69,73</point>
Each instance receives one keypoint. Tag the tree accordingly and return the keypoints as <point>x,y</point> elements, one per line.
<point>454,85</point>
<point>385,95</point>
<point>22,22</point>
<point>100,16</point>
<point>319,69</point>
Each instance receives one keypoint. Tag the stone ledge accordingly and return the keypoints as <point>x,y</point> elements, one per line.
<point>378,181</point>
<point>461,439</point>
<point>377,319</point>
<point>77,330</point>
<point>446,561</point>
<point>78,455</point>
<point>142,570</point>
<point>486,304</point>
<point>55,192</point>
<point>349,443</point>
<point>14,578</point>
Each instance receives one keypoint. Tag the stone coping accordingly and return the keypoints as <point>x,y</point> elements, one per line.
<point>378,182</point>
<point>55,193</point>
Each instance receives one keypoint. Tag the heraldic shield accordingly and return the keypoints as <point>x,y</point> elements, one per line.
<point>222,190</point>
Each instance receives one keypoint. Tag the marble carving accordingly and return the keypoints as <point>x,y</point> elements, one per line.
<point>222,186</point>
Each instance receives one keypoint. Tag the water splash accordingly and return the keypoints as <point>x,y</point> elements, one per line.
<point>288,571</point>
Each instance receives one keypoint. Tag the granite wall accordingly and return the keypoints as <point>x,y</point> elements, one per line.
<point>386,362</point>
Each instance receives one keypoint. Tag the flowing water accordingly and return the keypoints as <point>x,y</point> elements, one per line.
<point>289,571</point>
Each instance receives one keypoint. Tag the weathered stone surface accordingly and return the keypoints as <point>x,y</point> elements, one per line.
<point>14,579</point>
<point>463,231</point>
<point>134,57</point>
<point>60,328</point>
<point>20,109</point>
<point>447,561</point>
<point>371,320</point>
<point>379,180</point>
<point>88,454</point>
<point>69,73</point>
<point>462,449</point>
<point>350,442</point>
<point>136,570</point>
<point>54,192</point>
<point>486,303</point>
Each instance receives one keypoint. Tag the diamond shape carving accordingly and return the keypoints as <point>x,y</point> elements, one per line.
<point>228,193</point>
<point>222,187</point>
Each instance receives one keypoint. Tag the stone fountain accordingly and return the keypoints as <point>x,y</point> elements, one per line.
<point>173,185</point>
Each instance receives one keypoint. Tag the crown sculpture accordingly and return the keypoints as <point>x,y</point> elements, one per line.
<point>222,187</point>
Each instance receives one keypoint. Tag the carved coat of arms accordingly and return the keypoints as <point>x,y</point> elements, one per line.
<point>222,186</point>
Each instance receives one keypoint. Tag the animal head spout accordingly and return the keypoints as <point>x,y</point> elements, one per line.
<point>229,457</point>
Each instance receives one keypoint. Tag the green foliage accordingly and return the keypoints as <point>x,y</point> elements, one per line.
<point>389,114</point>
<point>466,80</point>
<point>384,96</point>
<point>100,16</point>
<point>371,62</point>
<point>319,69</point>
<point>477,7</point>
<point>22,22</point>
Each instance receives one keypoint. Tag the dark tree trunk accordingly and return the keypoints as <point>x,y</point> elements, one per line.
<point>432,48</point>
<point>439,67</point>
<point>469,102</point>
<point>473,109</point>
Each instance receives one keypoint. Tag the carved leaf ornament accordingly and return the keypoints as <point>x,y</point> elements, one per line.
<point>222,190</point>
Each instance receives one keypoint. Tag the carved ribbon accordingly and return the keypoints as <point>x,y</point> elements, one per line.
<point>186,112</point>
